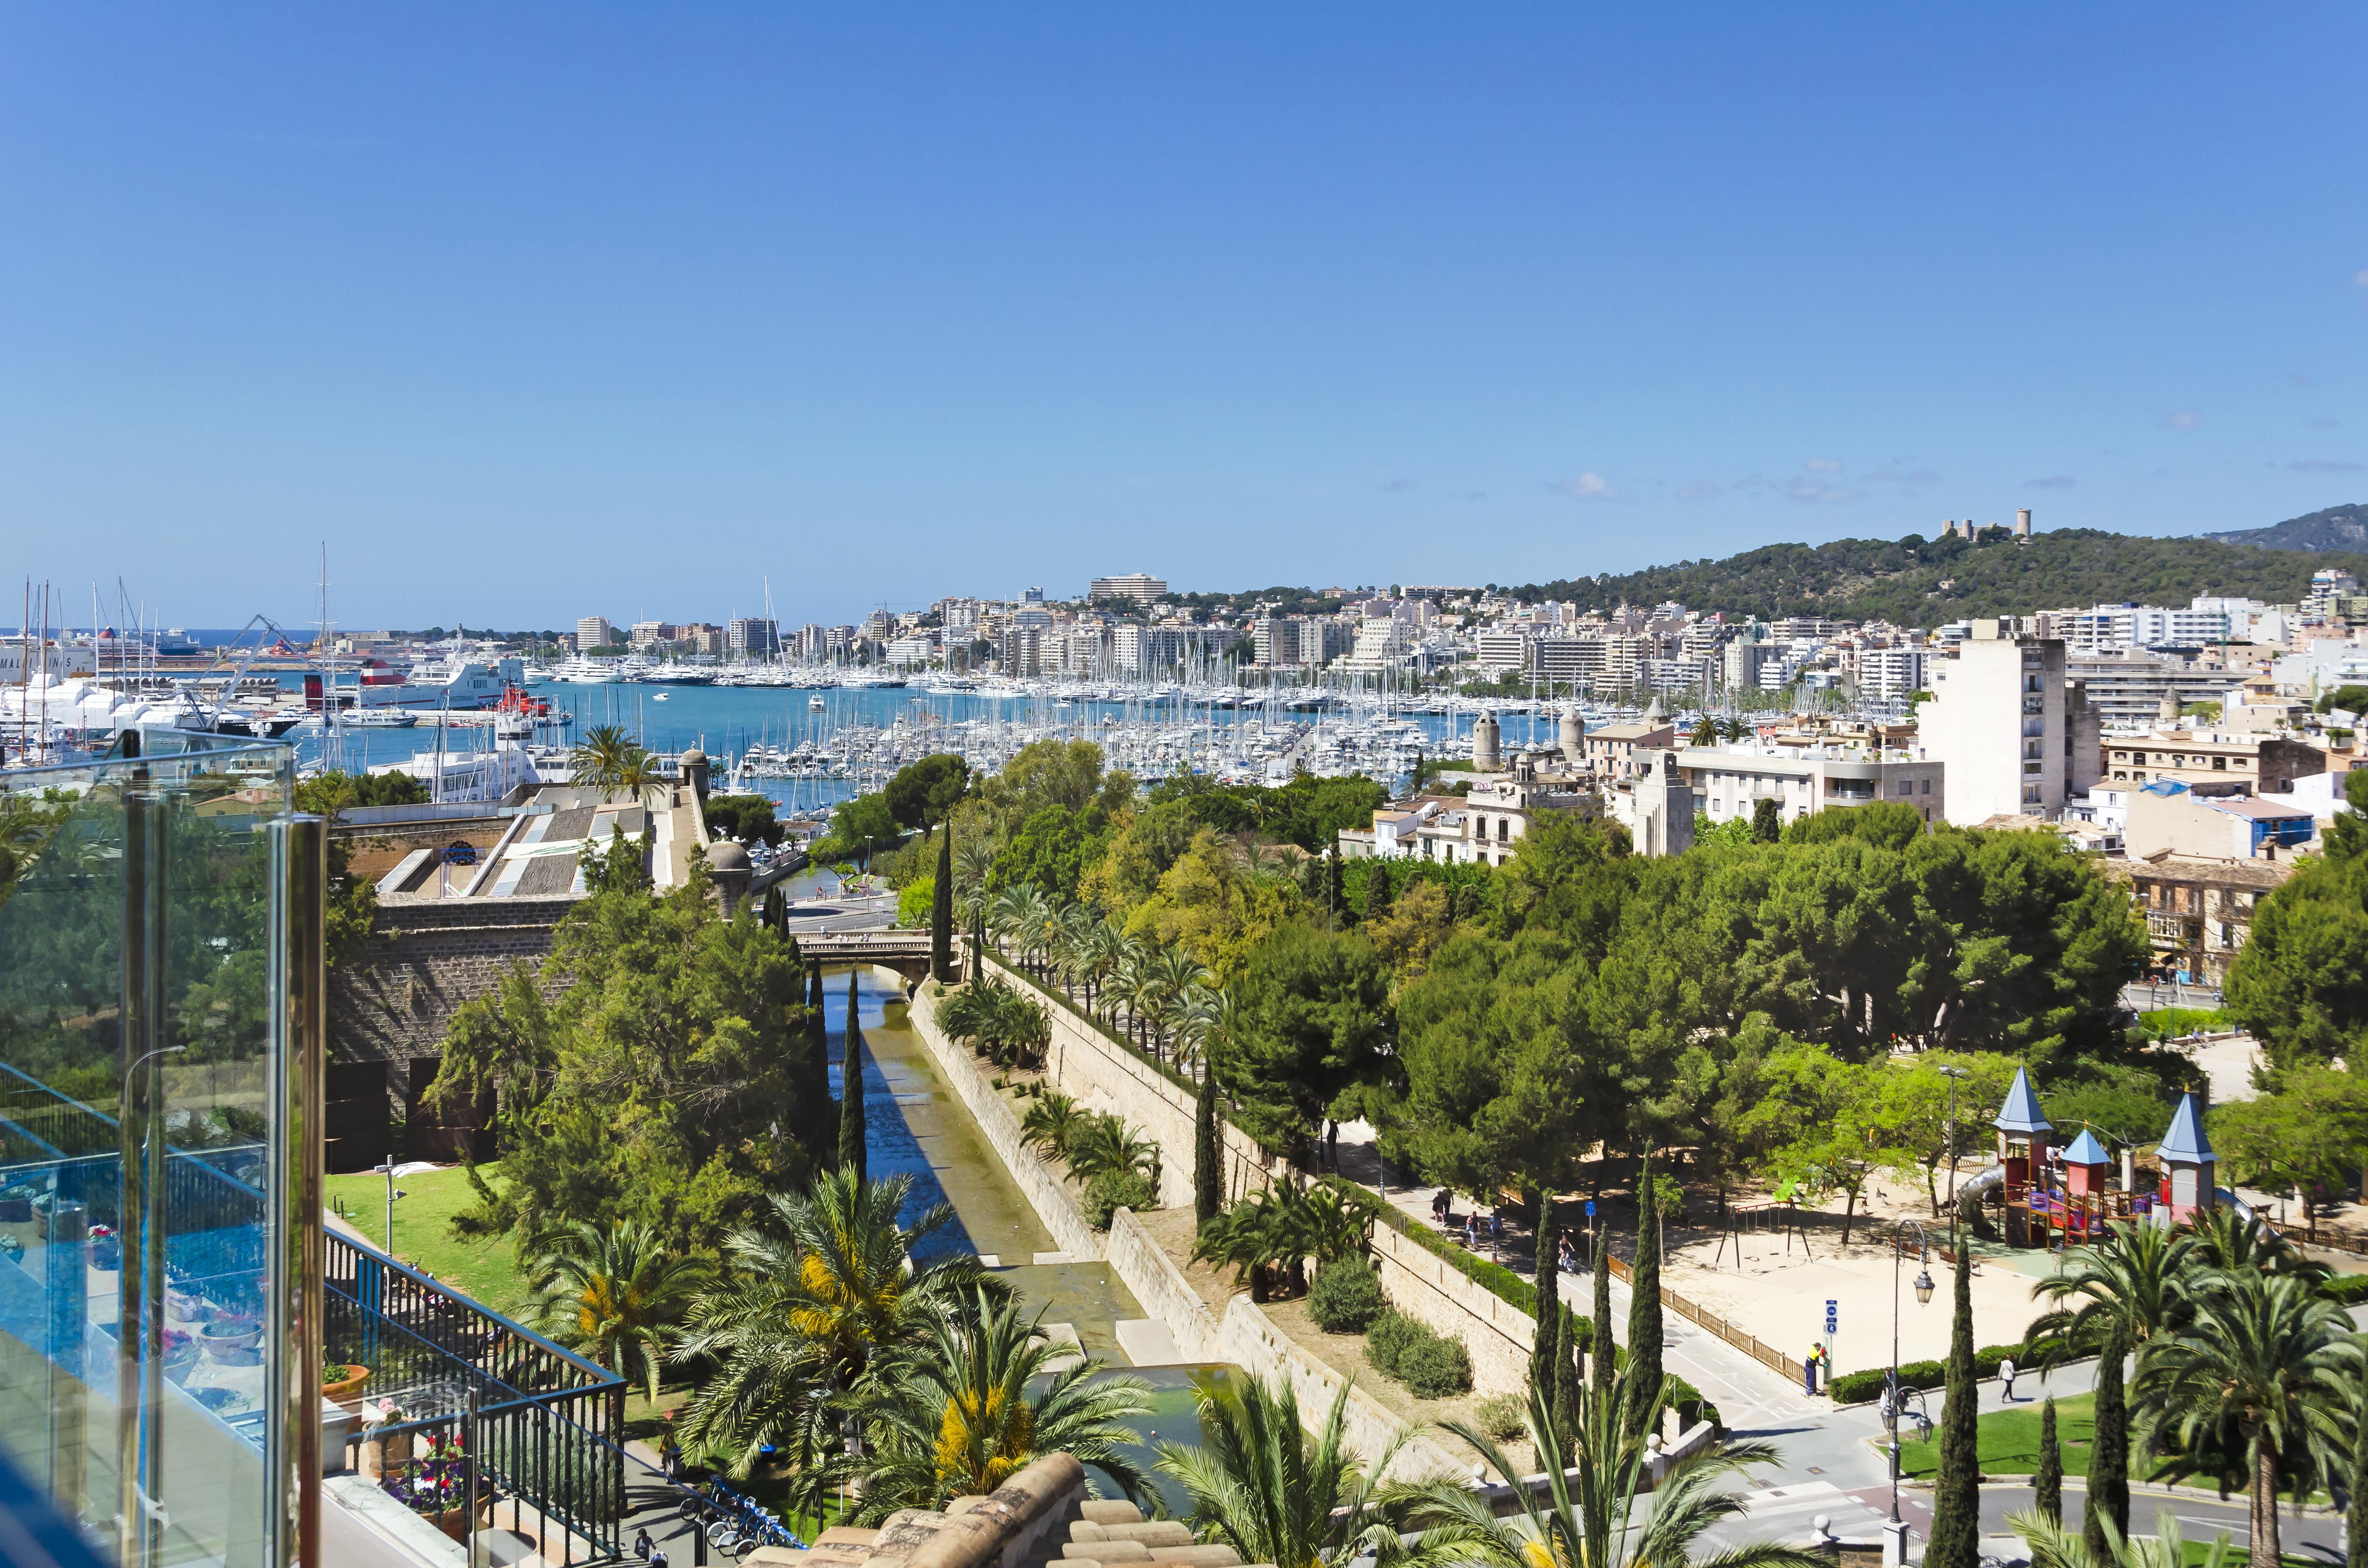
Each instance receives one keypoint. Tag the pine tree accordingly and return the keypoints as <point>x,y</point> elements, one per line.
<point>1599,1358</point>
<point>1546,1354</point>
<point>2049,1483</point>
<point>1377,892</point>
<point>1207,1153</point>
<point>2109,1453</point>
<point>941,913</point>
<point>850,1092</point>
<point>1957,1497</point>
<point>1644,1305</point>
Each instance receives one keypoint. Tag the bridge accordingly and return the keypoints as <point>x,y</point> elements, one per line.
<point>906,952</point>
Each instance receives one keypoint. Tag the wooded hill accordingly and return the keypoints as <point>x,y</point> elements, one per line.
<point>1923,581</point>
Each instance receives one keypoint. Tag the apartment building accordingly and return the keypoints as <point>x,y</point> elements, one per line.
<point>2264,763</point>
<point>594,632</point>
<point>2015,735</point>
<point>1134,587</point>
<point>750,637</point>
<point>1731,780</point>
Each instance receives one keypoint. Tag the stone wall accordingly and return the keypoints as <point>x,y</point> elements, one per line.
<point>1000,1126</point>
<point>393,999</point>
<point>1103,1075</point>
<point>1245,1337</point>
<point>1499,1335</point>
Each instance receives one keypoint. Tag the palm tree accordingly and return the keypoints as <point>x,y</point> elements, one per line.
<point>612,1295</point>
<point>2225,1240</point>
<point>2134,1275</point>
<point>1048,1123</point>
<point>1101,1146</point>
<point>821,1289</point>
<point>2251,1390</point>
<point>1263,1485</point>
<point>1177,974</point>
<point>1589,1523</point>
<point>2052,1546</point>
<point>604,757</point>
<point>958,1419</point>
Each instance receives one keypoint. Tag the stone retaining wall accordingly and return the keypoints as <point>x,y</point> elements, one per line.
<point>1427,1287</point>
<point>1102,1074</point>
<point>394,998</point>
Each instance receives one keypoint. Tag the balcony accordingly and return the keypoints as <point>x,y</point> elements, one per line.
<point>2175,930</point>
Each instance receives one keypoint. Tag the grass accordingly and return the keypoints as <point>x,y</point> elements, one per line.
<point>484,1270</point>
<point>2008,1440</point>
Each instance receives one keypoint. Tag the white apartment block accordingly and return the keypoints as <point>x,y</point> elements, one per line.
<point>1731,780</point>
<point>1383,642</point>
<point>594,632</point>
<point>2014,733</point>
<point>2121,628</point>
<point>1139,587</point>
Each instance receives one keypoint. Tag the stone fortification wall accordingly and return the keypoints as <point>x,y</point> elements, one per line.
<point>393,999</point>
<point>1425,1286</point>
<point>1103,1075</point>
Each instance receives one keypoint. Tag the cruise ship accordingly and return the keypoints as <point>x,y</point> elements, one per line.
<point>456,684</point>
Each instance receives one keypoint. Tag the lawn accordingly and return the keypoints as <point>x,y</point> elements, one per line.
<point>484,1270</point>
<point>2008,1440</point>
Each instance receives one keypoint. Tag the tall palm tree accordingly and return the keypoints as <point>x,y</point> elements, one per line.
<point>2134,1275</point>
<point>2251,1390</point>
<point>613,1295</point>
<point>1263,1485</point>
<point>2224,1239</point>
<point>818,1292</point>
<point>2052,1546</point>
<point>957,1419</point>
<point>603,758</point>
<point>1589,1523</point>
<point>1179,974</point>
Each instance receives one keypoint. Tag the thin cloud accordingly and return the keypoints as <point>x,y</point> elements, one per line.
<point>2053,481</point>
<point>1700,490</point>
<point>1818,492</point>
<point>1587,486</point>
<point>1896,476</point>
<point>2185,419</point>
<point>1824,465</point>
<point>2324,465</point>
<point>1399,486</point>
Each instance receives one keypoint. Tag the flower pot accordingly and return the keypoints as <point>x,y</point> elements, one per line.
<point>347,1386</point>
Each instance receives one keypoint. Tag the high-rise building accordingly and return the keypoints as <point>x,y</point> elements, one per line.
<point>1138,588</point>
<point>2014,733</point>
<point>594,632</point>
<point>750,637</point>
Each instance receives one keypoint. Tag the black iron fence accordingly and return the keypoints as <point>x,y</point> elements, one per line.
<point>490,1416</point>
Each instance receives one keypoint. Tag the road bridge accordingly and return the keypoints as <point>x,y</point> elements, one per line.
<point>906,952</point>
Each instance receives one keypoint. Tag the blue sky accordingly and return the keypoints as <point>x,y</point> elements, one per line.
<point>535,310</point>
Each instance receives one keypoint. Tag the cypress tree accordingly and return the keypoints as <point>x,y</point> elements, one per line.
<point>1567,1401</point>
<point>1599,1358</point>
<point>1546,1351</point>
<point>1335,893</point>
<point>2109,1454</point>
<point>850,1093</point>
<point>1377,892</point>
<point>813,1077</point>
<point>941,913</point>
<point>2355,1518</point>
<point>2049,1483</point>
<point>1644,1306</point>
<point>1957,1497</point>
<point>1208,1170</point>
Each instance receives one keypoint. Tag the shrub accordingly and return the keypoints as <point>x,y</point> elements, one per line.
<point>1113,1190</point>
<point>1502,1416</point>
<point>1347,1296</point>
<point>1859,1387</point>
<point>1435,1367</point>
<point>2349,1289</point>
<point>1387,1341</point>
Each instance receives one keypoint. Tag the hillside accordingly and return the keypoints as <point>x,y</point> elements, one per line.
<point>1921,581</point>
<point>2337,527</point>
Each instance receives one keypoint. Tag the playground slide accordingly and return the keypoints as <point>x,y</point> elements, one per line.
<point>1970,1193</point>
<point>2244,1210</point>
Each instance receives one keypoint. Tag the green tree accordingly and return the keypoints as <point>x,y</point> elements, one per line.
<point>1957,1498</point>
<point>2134,1276</point>
<point>941,913</point>
<point>1644,1301</point>
<point>1547,1352</point>
<point>2301,981</point>
<point>2047,1486</point>
<point>612,1294</point>
<point>1207,1153</point>
<point>2105,1510</point>
<point>924,794</point>
<point>2309,1129</point>
<point>1600,1362</point>
<point>1377,892</point>
<point>1314,1020</point>
<point>1767,821</point>
<point>851,1140</point>
<point>2355,1516</point>
<point>859,829</point>
<point>1336,896</point>
<point>1050,852</point>
<point>960,1416</point>
<point>2251,1392</point>
<point>1276,1492</point>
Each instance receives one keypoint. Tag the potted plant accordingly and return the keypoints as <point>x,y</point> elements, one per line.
<point>342,1380</point>
<point>381,1454</point>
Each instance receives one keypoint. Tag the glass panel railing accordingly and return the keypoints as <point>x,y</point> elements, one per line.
<point>142,1000</point>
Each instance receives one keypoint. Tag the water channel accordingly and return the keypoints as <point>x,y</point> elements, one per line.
<point>916,1126</point>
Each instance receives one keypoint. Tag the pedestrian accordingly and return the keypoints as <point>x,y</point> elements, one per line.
<point>2006,1375</point>
<point>642,1544</point>
<point>1809,1371</point>
<point>1438,1204</point>
<point>1472,1231</point>
<point>1568,1260</point>
<point>658,1556</point>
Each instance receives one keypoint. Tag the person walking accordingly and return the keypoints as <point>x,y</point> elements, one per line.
<point>1809,1371</point>
<point>2006,1377</point>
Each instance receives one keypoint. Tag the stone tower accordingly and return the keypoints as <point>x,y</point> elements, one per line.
<point>1483,745</point>
<point>1574,737</point>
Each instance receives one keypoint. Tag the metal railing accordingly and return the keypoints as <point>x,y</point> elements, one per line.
<point>491,1410</point>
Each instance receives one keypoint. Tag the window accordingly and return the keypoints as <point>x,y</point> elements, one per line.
<point>2220,763</point>
<point>1927,790</point>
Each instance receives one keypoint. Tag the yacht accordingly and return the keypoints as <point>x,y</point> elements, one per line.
<point>583,671</point>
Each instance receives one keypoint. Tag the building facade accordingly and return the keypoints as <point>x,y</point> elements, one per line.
<point>2015,735</point>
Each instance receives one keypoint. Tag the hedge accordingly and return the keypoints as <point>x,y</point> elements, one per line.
<point>2349,1289</point>
<point>1856,1387</point>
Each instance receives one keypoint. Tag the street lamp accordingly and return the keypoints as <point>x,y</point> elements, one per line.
<point>1953,1075</point>
<point>387,1166</point>
<point>1898,1527</point>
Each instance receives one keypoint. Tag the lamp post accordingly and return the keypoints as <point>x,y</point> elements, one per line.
<point>1953,1075</point>
<point>1895,1551</point>
<point>387,1166</point>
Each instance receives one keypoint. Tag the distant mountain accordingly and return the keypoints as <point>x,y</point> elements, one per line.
<point>2338,528</point>
<point>1923,581</point>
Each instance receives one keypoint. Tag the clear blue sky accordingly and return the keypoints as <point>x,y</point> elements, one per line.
<point>531,311</point>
